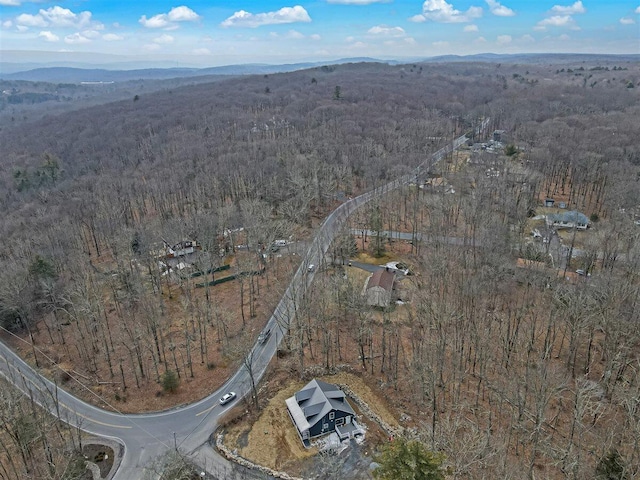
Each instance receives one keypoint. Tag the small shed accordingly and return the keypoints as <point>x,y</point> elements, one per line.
<point>379,287</point>
<point>548,202</point>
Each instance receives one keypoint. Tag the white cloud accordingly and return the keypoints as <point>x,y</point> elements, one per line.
<point>9,3</point>
<point>410,41</point>
<point>48,36</point>
<point>504,39</point>
<point>627,21</point>
<point>440,43</point>
<point>481,40</point>
<point>63,17</point>
<point>470,28</point>
<point>556,21</point>
<point>315,36</point>
<point>356,2</point>
<point>358,45</point>
<point>387,31</point>
<point>168,20</point>
<point>350,39</point>
<point>152,47</point>
<point>637,10</point>
<point>112,37</point>
<point>443,12</point>
<point>157,21</point>
<point>21,28</point>
<point>201,51</point>
<point>164,39</point>
<point>294,34</point>
<point>182,14</point>
<point>564,37</point>
<point>58,17</point>
<point>253,20</point>
<point>76,39</point>
<point>90,33</point>
<point>577,7</point>
<point>527,38</point>
<point>499,10</point>
<point>27,20</point>
<point>7,24</point>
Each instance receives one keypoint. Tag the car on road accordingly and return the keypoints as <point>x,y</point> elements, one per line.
<point>264,336</point>
<point>227,397</point>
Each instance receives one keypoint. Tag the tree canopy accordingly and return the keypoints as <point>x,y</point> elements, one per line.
<point>408,460</point>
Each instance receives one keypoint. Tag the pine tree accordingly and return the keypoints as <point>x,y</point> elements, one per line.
<point>408,460</point>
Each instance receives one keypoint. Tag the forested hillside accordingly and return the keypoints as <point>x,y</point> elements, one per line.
<point>506,376</point>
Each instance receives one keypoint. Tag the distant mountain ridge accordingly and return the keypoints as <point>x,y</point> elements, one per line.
<point>79,74</point>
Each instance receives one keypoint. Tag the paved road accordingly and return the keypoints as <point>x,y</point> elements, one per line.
<point>395,235</point>
<point>146,437</point>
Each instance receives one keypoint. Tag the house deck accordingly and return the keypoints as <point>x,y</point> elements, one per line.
<point>349,430</point>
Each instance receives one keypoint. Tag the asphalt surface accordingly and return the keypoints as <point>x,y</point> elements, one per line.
<point>146,437</point>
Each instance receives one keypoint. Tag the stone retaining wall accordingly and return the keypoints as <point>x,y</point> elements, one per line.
<point>229,455</point>
<point>366,410</point>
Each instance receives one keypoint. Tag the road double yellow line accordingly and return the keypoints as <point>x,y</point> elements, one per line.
<point>91,419</point>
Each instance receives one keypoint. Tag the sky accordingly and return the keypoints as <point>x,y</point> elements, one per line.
<point>212,32</point>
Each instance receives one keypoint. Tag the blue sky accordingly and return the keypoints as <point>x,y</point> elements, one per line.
<point>277,31</point>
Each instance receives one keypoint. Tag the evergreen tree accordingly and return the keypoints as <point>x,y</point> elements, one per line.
<point>408,460</point>
<point>170,381</point>
<point>611,467</point>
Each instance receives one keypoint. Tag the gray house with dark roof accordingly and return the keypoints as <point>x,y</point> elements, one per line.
<point>572,219</point>
<point>320,408</point>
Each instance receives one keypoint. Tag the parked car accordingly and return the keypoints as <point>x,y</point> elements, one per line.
<point>227,397</point>
<point>312,267</point>
<point>398,267</point>
<point>264,336</point>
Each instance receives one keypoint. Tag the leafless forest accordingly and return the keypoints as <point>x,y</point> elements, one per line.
<point>509,373</point>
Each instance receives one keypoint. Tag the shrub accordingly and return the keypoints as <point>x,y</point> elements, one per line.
<point>170,381</point>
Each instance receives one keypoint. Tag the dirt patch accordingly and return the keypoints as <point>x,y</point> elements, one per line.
<point>272,441</point>
<point>101,455</point>
<point>365,393</point>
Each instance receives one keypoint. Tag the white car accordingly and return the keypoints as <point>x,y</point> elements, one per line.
<point>312,267</point>
<point>227,397</point>
<point>398,267</point>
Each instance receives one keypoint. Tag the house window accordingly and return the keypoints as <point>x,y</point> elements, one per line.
<point>332,415</point>
<point>339,422</point>
<point>325,426</point>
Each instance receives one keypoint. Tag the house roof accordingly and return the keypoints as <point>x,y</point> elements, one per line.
<point>569,217</point>
<point>382,278</point>
<point>310,404</point>
<point>531,264</point>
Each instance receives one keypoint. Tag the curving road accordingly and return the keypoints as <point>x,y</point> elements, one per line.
<point>146,437</point>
